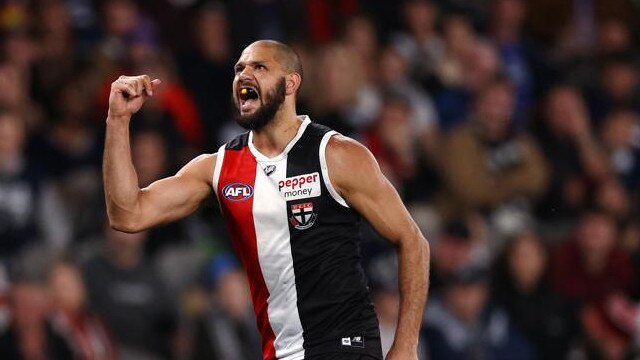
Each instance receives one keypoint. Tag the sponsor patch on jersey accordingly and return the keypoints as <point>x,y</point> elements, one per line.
<point>300,186</point>
<point>237,191</point>
<point>302,216</point>
<point>354,341</point>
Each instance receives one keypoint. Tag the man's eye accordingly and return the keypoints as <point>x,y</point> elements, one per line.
<point>260,67</point>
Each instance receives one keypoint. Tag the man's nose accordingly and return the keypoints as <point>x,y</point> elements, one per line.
<point>245,73</point>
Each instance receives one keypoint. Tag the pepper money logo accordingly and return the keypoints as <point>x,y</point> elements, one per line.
<point>300,186</point>
<point>237,191</point>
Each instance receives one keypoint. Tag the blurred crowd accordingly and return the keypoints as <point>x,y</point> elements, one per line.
<point>510,128</point>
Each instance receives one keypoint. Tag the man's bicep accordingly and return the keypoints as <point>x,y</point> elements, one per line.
<point>357,177</point>
<point>179,195</point>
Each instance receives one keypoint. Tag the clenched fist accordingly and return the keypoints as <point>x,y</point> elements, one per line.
<point>128,93</point>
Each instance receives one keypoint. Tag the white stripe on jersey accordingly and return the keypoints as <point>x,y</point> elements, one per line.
<point>325,169</point>
<point>217,169</point>
<point>276,262</point>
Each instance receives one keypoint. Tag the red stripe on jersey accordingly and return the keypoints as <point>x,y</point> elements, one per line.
<point>238,215</point>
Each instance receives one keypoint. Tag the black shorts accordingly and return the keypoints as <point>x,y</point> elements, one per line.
<point>341,356</point>
<point>367,348</point>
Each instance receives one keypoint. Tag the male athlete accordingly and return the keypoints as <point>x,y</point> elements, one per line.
<point>291,193</point>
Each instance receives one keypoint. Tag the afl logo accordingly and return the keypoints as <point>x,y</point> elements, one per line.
<point>237,191</point>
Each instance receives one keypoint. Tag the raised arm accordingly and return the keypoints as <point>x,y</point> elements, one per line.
<point>130,208</point>
<point>355,174</point>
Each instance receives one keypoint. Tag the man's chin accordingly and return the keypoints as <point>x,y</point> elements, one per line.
<point>249,112</point>
<point>251,120</point>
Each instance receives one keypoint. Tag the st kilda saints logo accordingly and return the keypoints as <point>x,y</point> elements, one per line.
<point>302,216</point>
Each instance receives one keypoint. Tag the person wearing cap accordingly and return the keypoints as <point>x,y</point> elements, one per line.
<point>461,323</point>
<point>227,330</point>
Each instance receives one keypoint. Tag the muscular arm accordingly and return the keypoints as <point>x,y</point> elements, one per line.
<point>356,176</point>
<point>133,209</point>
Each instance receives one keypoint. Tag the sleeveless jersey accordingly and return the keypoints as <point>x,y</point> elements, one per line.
<point>298,242</point>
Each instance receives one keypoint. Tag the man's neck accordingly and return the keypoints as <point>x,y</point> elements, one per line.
<point>274,137</point>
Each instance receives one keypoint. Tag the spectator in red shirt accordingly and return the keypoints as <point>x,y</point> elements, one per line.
<point>85,331</point>
<point>590,266</point>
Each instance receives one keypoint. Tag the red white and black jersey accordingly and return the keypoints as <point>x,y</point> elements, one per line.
<point>298,241</point>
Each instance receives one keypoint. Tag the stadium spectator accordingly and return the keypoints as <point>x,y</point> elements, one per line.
<point>591,265</point>
<point>507,20</point>
<point>127,32</point>
<point>619,137</point>
<point>151,156</point>
<point>126,292</point>
<point>338,85</point>
<point>480,66</point>
<point>522,286</point>
<point>69,149</point>
<point>20,50</point>
<point>392,141</point>
<point>360,35</point>
<point>371,70</point>
<point>614,37</point>
<point>395,77</point>
<point>360,40</point>
<point>86,333</point>
<point>603,338</point>
<point>573,153</point>
<point>30,209</point>
<point>611,196</point>
<point>386,297</point>
<point>14,94</point>
<point>462,323</point>
<point>488,163</point>
<point>205,70</point>
<point>30,334</point>
<point>227,330</point>
<point>619,86</point>
<point>459,38</point>
<point>420,43</point>
<point>57,54</point>
<point>454,249</point>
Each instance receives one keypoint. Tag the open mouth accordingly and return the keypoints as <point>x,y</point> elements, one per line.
<point>248,97</point>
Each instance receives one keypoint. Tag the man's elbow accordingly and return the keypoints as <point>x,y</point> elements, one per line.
<point>415,242</point>
<point>123,222</point>
<point>424,248</point>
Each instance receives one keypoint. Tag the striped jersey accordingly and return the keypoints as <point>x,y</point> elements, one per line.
<point>298,242</point>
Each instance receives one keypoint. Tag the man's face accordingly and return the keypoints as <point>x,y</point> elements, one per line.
<point>596,235</point>
<point>494,110</point>
<point>258,87</point>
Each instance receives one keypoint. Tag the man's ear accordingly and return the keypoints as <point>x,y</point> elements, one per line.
<point>292,83</point>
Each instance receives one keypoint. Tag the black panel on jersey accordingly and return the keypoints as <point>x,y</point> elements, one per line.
<point>333,299</point>
<point>238,142</point>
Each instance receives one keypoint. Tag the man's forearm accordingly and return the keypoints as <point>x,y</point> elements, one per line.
<point>414,284</point>
<point>120,179</point>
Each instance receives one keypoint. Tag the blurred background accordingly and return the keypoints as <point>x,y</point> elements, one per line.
<point>510,128</point>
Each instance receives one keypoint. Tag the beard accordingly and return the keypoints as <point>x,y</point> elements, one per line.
<point>272,102</point>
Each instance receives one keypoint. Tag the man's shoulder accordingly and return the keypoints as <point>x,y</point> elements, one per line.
<point>348,158</point>
<point>204,162</point>
<point>200,167</point>
<point>345,148</point>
